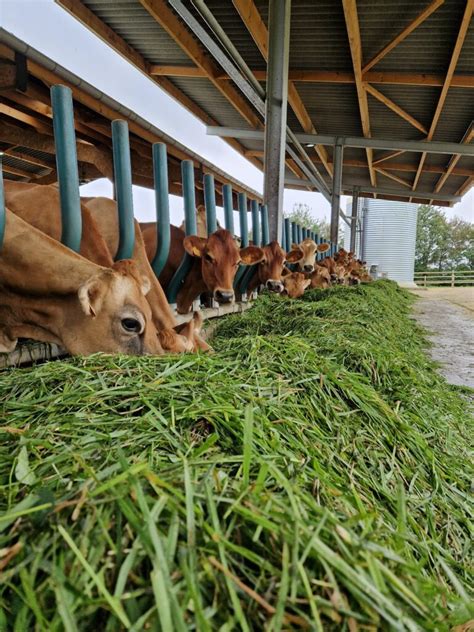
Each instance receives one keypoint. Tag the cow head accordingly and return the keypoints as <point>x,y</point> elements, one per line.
<point>309,250</point>
<point>114,315</point>
<point>220,259</point>
<point>295,284</point>
<point>269,270</point>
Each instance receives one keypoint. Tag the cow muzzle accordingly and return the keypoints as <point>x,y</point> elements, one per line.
<point>274,286</point>
<point>224,296</point>
<point>308,268</point>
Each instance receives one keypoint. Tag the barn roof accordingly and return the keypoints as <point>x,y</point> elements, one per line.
<point>395,70</point>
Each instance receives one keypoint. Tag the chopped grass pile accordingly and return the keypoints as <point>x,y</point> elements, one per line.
<point>313,473</point>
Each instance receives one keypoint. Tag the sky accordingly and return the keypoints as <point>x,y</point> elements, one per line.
<point>51,30</point>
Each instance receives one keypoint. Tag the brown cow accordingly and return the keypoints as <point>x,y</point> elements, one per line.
<point>320,278</point>
<point>295,284</point>
<point>201,222</point>
<point>310,249</point>
<point>215,262</point>
<point>269,271</point>
<point>51,294</point>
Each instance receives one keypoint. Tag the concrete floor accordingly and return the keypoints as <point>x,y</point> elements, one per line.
<point>449,314</point>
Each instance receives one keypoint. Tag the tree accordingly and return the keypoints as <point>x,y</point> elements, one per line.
<point>441,243</point>
<point>302,214</point>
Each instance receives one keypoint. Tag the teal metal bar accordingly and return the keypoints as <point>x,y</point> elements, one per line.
<point>287,240</point>
<point>66,164</point>
<point>210,202</point>
<point>2,205</point>
<point>190,228</point>
<point>228,208</point>
<point>294,233</point>
<point>244,234</point>
<point>299,233</point>
<point>163,236</point>
<point>265,228</point>
<point>255,223</point>
<point>123,188</point>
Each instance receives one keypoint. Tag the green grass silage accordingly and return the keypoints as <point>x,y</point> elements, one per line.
<point>313,473</point>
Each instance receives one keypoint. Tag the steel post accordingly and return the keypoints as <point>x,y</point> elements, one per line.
<point>123,184</point>
<point>336,190</point>
<point>265,228</point>
<point>256,238</point>
<point>299,233</point>
<point>66,164</point>
<point>287,240</point>
<point>228,207</point>
<point>294,233</point>
<point>2,206</point>
<point>190,227</point>
<point>163,236</point>
<point>210,203</point>
<point>355,205</point>
<point>275,111</point>
<point>244,234</point>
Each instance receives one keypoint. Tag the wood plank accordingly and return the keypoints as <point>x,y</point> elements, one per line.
<point>389,156</point>
<point>18,115</point>
<point>393,177</point>
<point>353,32</point>
<point>251,18</point>
<point>32,160</point>
<point>447,82</point>
<point>7,74</point>
<point>420,18</point>
<point>395,108</point>
<point>177,71</point>
<point>465,187</point>
<point>467,138</point>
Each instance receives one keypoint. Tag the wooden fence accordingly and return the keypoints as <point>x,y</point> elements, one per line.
<point>451,278</point>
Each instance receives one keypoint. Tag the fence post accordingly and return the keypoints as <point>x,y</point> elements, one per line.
<point>244,234</point>
<point>287,234</point>
<point>424,278</point>
<point>265,229</point>
<point>123,187</point>
<point>228,207</point>
<point>452,278</point>
<point>162,208</point>
<point>66,164</point>
<point>210,203</point>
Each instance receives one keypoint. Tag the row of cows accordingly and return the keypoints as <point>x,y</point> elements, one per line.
<point>86,302</point>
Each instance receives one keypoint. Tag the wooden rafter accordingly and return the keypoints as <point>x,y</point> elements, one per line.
<point>251,18</point>
<point>468,137</point>
<point>395,108</point>
<point>77,9</point>
<point>421,17</point>
<point>389,156</point>
<point>447,82</point>
<point>353,32</point>
<point>327,76</point>
<point>30,120</point>
<point>393,177</point>
<point>32,160</point>
<point>463,189</point>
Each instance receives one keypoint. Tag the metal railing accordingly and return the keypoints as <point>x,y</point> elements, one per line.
<point>451,278</point>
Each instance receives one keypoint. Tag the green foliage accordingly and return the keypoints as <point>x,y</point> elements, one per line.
<point>443,243</point>
<point>313,473</point>
<point>302,214</point>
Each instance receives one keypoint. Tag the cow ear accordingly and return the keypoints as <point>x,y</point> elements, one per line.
<point>7,344</point>
<point>194,245</point>
<point>251,255</point>
<point>294,255</point>
<point>145,285</point>
<point>323,247</point>
<point>91,296</point>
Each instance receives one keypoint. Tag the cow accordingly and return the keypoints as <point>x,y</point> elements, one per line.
<point>320,277</point>
<point>295,283</point>
<point>309,250</point>
<point>336,270</point>
<point>215,260</point>
<point>201,222</point>
<point>269,271</point>
<point>39,205</point>
<point>51,294</point>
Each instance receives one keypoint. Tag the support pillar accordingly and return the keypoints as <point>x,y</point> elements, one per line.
<point>275,112</point>
<point>336,191</point>
<point>355,204</point>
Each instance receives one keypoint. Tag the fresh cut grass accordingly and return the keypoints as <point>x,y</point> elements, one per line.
<point>314,473</point>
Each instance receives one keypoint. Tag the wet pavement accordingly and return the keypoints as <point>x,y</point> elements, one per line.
<point>448,313</point>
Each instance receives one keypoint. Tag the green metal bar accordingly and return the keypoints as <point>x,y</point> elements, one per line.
<point>2,205</point>
<point>123,188</point>
<point>66,164</point>
<point>163,230</point>
<point>244,235</point>
<point>255,223</point>
<point>294,233</point>
<point>190,228</point>
<point>299,233</point>
<point>210,202</point>
<point>287,240</point>
<point>228,207</point>
<point>265,228</point>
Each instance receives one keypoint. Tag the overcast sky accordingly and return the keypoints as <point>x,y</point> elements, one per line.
<point>51,30</point>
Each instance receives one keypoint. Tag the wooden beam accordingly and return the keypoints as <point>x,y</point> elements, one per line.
<point>251,18</point>
<point>447,82</point>
<point>353,32</point>
<point>18,172</point>
<point>39,162</point>
<point>387,174</point>
<point>32,121</point>
<point>7,74</point>
<point>405,167</point>
<point>465,187</point>
<point>421,17</point>
<point>77,9</point>
<point>164,16</point>
<point>395,108</point>
<point>468,137</point>
<point>328,76</point>
<point>389,156</point>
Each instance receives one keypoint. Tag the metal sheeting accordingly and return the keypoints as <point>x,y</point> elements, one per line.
<point>389,237</point>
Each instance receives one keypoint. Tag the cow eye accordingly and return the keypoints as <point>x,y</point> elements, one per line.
<point>131,325</point>
<point>208,257</point>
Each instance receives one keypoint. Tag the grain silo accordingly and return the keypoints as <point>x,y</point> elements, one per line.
<point>386,237</point>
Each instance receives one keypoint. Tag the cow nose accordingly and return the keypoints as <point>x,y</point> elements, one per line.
<point>274,286</point>
<point>223,296</point>
<point>333,278</point>
<point>308,268</point>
